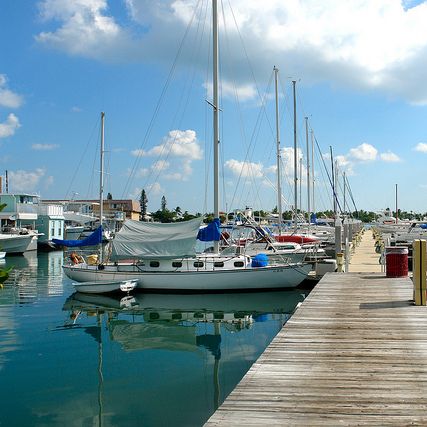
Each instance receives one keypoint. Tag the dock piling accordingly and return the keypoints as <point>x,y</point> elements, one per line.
<point>419,271</point>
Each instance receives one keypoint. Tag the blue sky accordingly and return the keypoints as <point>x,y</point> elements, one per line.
<point>360,68</point>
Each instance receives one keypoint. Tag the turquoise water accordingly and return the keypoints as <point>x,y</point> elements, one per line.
<point>69,359</point>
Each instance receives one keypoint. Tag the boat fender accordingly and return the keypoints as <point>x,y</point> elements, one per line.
<point>101,267</point>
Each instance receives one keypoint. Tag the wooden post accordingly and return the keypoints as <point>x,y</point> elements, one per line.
<point>419,271</point>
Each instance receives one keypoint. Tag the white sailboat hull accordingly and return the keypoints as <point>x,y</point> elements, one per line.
<point>285,276</point>
<point>17,243</point>
<point>100,287</point>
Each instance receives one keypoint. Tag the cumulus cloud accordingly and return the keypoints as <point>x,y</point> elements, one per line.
<point>22,180</point>
<point>421,147</point>
<point>180,148</point>
<point>389,157</point>
<point>360,43</point>
<point>8,98</point>
<point>178,143</point>
<point>44,147</point>
<point>85,29</point>
<point>364,152</point>
<point>241,92</point>
<point>9,127</point>
<point>244,169</point>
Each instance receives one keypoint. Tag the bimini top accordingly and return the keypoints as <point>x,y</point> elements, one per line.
<point>150,240</point>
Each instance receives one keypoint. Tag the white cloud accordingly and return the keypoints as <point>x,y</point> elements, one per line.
<point>85,29</point>
<point>421,147</point>
<point>244,169</point>
<point>360,43</point>
<point>44,147</point>
<point>22,180</point>
<point>9,127</point>
<point>160,165</point>
<point>364,152</point>
<point>8,98</point>
<point>180,148</point>
<point>183,172</point>
<point>228,89</point>
<point>154,189</point>
<point>390,157</point>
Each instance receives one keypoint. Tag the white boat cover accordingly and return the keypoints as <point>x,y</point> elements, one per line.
<point>150,240</point>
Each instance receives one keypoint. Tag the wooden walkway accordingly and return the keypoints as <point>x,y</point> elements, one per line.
<point>365,259</point>
<point>354,353</point>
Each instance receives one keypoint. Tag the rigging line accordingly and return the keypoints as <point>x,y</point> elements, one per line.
<point>159,101</point>
<point>156,172</point>
<point>207,132</point>
<point>95,160</point>
<point>253,137</point>
<point>351,195</point>
<point>249,63</point>
<point>83,155</point>
<point>329,177</point>
<point>183,100</point>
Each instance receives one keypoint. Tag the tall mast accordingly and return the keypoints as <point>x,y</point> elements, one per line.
<point>101,177</point>
<point>215,112</point>
<point>333,184</point>
<point>308,171</point>
<point>279,187</point>
<point>312,168</point>
<point>295,158</point>
<point>397,216</point>
<point>345,184</point>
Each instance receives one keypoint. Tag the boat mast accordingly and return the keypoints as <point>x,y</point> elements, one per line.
<point>312,167</point>
<point>308,171</point>
<point>279,187</point>
<point>215,112</point>
<point>397,216</point>
<point>101,180</point>
<point>295,158</point>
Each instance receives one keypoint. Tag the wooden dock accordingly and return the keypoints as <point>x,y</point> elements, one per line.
<point>354,353</point>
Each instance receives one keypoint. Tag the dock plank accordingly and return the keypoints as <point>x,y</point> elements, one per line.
<point>354,353</point>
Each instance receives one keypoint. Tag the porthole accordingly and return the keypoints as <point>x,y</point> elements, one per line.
<point>154,264</point>
<point>239,264</point>
<point>198,264</point>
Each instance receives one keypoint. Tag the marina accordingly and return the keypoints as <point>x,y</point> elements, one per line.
<point>195,220</point>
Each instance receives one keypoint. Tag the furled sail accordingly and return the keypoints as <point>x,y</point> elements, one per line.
<point>152,240</point>
<point>92,240</point>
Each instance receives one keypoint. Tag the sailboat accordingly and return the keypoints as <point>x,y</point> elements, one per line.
<point>163,256</point>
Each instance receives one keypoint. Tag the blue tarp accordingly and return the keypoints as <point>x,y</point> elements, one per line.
<point>313,218</point>
<point>211,232</point>
<point>94,239</point>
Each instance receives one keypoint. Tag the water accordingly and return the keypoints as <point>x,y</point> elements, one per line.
<point>69,359</point>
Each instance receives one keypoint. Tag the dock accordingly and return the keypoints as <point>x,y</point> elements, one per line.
<point>354,353</point>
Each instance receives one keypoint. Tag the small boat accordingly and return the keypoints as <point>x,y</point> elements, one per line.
<point>101,287</point>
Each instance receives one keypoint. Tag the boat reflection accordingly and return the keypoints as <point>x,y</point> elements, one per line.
<point>179,322</point>
<point>238,309</point>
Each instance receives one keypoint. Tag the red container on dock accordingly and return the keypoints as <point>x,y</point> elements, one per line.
<point>396,261</point>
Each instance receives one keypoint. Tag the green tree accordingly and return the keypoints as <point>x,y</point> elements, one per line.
<point>163,203</point>
<point>143,201</point>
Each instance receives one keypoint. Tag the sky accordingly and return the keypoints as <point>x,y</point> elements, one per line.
<point>360,72</point>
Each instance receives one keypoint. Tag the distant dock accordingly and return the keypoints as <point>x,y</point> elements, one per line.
<point>354,353</point>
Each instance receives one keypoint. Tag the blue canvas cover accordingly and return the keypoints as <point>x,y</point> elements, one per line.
<point>211,232</point>
<point>313,218</point>
<point>94,239</point>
